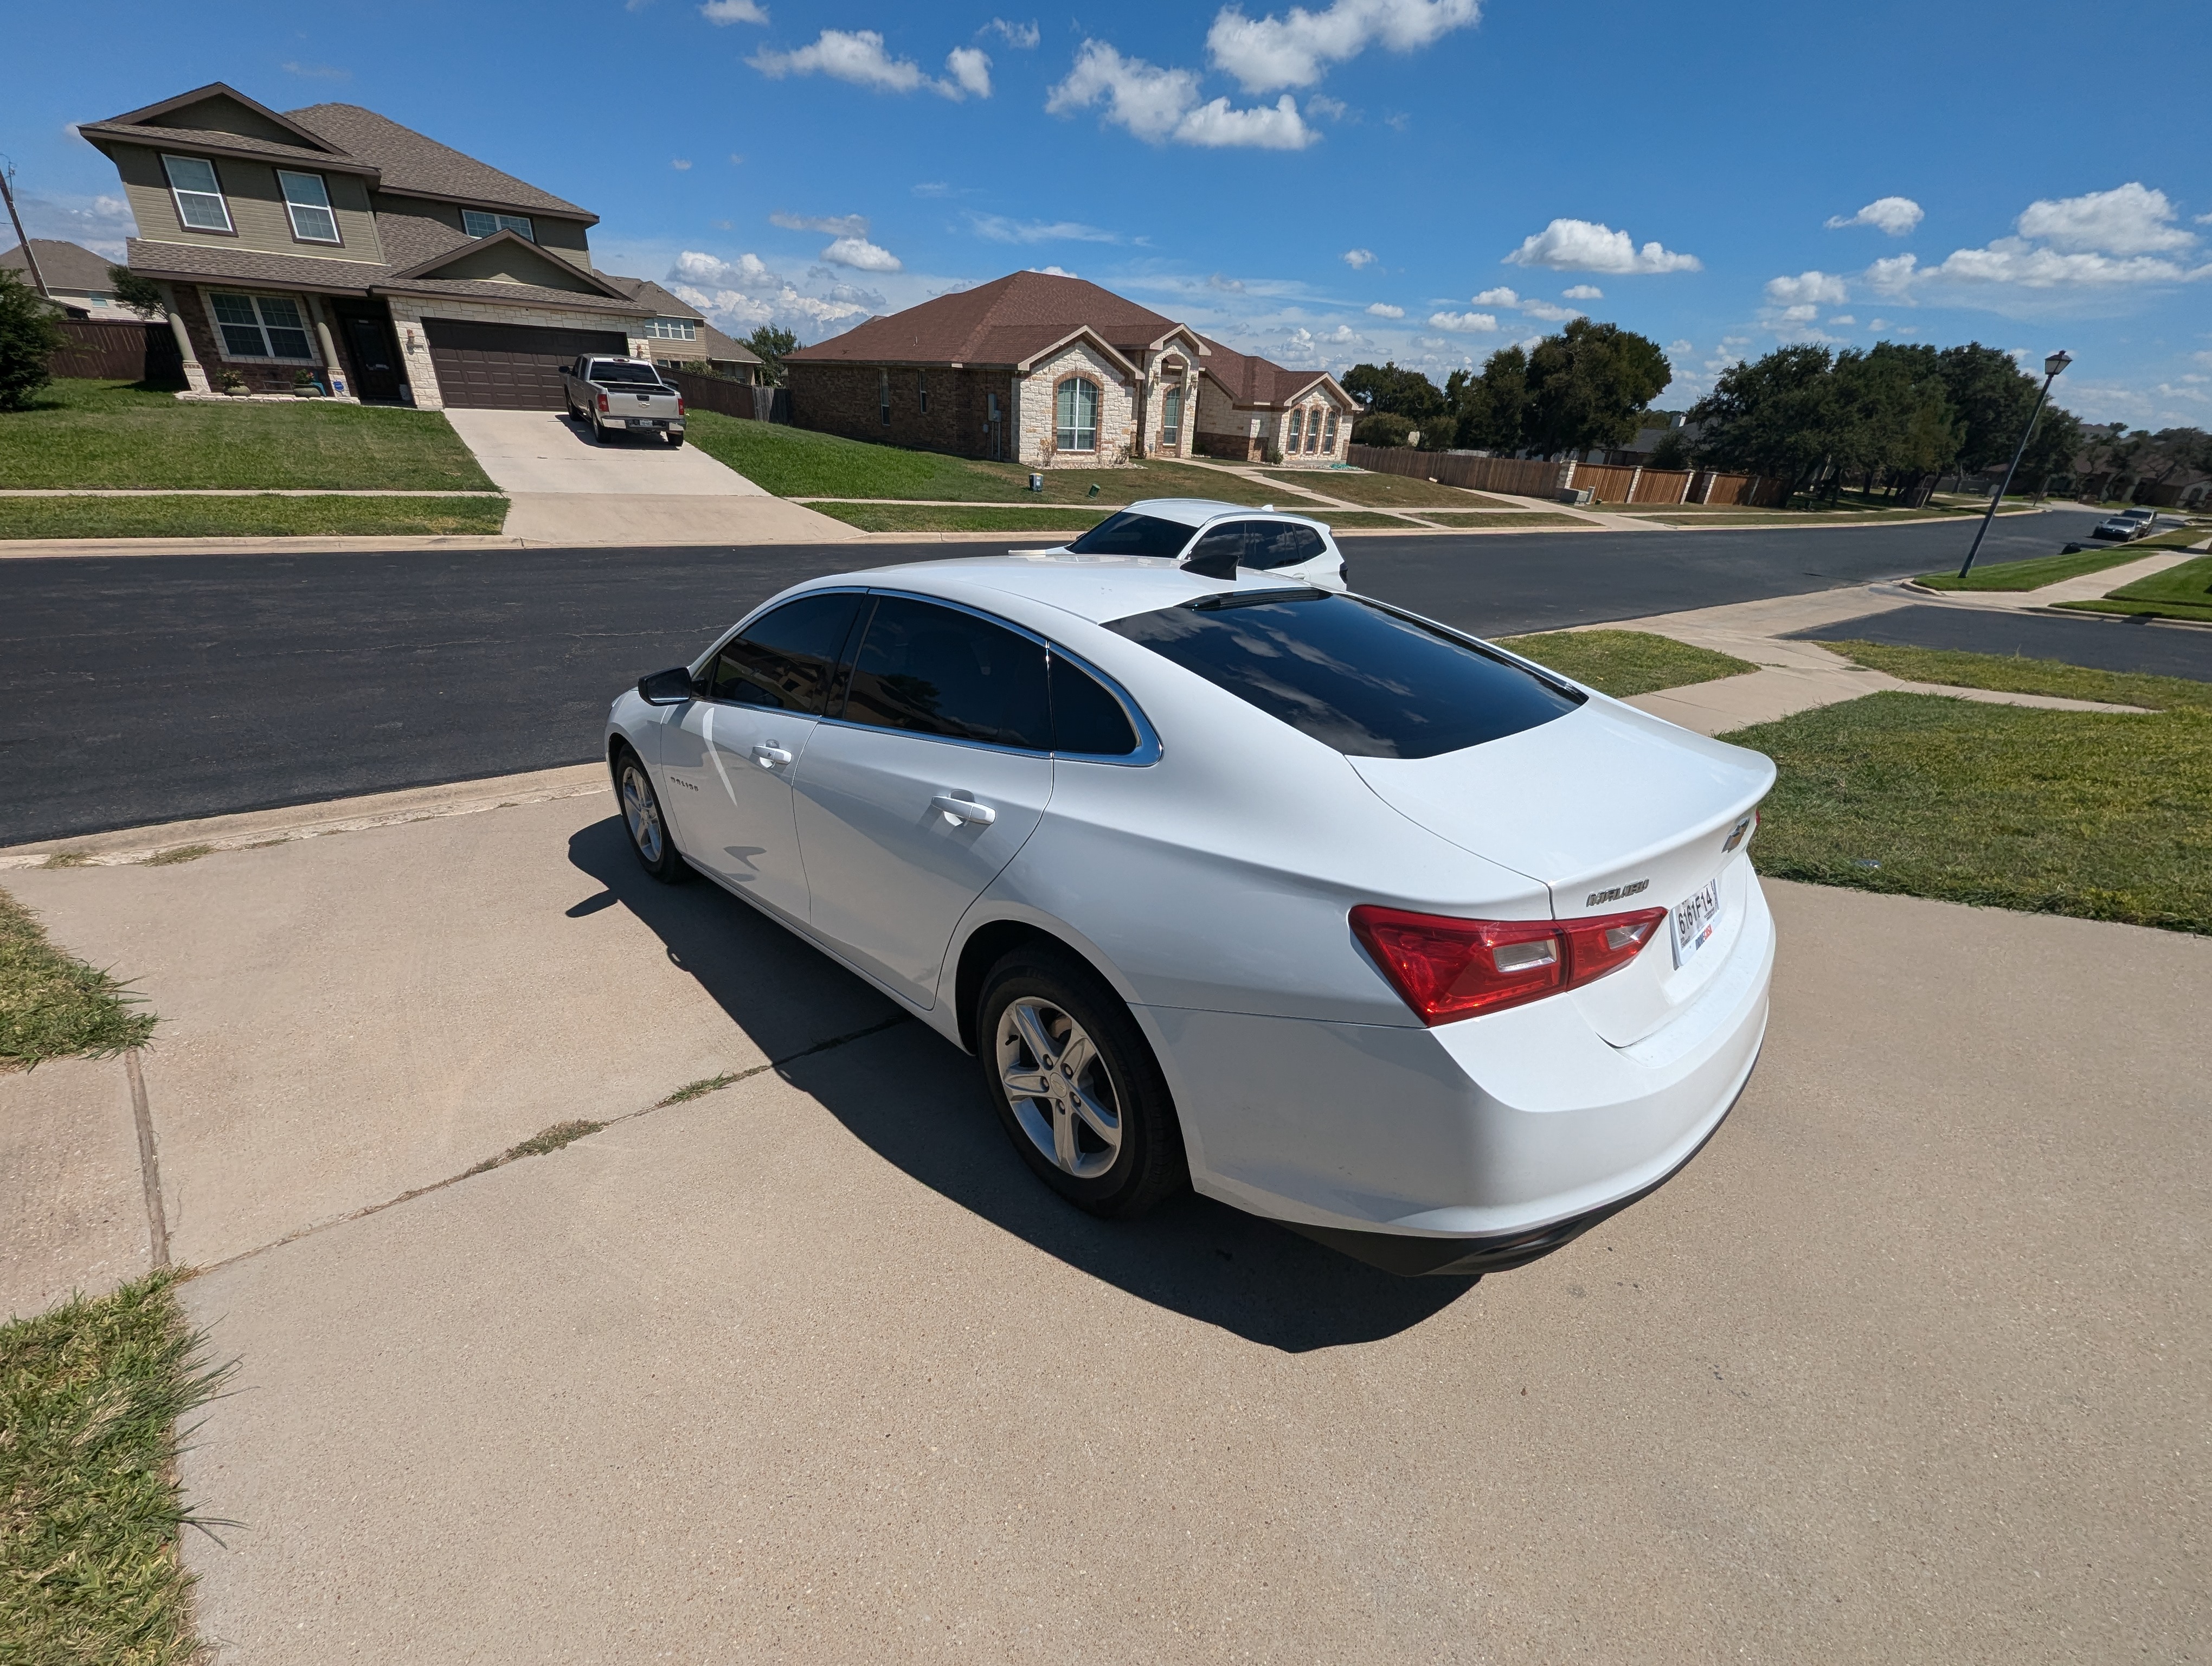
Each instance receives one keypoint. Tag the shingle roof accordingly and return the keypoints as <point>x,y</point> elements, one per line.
<point>241,144</point>
<point>66,266</point>
<point>195,260</point>
<point>514,295</point>
<point>412,161</point>
<point>1252,381</point>
<point>1006,321</point>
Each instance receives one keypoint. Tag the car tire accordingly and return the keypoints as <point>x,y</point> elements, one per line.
<point>1102,1131</point>
<point>652,840</point>
<point>675,439</point>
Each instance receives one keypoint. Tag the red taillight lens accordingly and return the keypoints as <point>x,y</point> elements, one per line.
<point>1447,967</point>
<point>679,404</point>
<point>603,402</point>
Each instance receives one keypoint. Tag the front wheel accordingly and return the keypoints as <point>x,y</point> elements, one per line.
<point>650,841</point>
<point>1077,1088</point>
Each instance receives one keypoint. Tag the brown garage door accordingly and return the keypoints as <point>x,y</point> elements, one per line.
<point>508,366</point>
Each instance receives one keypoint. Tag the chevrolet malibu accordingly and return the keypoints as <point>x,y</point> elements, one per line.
<point>1333,913</point>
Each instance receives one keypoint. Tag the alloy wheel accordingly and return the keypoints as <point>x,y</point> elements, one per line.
<point>1060,1091</point>
<point>642,811</point>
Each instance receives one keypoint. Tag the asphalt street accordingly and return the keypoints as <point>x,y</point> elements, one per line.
<point>152,689</point>
<point>2107,643</point>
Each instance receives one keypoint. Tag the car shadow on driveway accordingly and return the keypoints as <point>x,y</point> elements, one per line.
<point>1196,1256</point>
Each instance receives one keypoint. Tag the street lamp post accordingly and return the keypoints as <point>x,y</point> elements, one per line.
<point>2051,366</point>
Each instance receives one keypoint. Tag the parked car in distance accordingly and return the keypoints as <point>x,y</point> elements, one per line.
<point>1341,916</point>
<point>2118,529</point>
<point>1209,535</point>
<point>622,396</point>
<point>2146,519</point>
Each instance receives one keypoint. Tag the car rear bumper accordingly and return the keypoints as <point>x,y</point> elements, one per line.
<point>1488,1141</point>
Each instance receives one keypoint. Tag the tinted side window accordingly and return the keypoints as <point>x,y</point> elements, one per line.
<point>1351,675</point>
<point>1279,544</point>
<point>1085,718</point>
<point>933,669</point>
<point>1224,546</point>
<point>788,658</point>
<point>1129,533</point>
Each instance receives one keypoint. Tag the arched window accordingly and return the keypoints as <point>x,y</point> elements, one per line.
<point>1329,444</point>
<point>1313,429</point>
<point>1297,420</point>
<point>1075,405</point>
<point>1171,420</point>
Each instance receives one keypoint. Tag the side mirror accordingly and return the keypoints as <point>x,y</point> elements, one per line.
<point>665,687</point>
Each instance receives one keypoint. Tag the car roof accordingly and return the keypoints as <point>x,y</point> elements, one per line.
<point>1196,511</point>
<point>1098,588</point>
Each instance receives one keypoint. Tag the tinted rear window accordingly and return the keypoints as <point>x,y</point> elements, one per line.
<point>1350,674</point>
<point>603,371</point>
<point>1129,533</point>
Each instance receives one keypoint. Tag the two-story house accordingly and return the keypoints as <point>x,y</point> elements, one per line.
<point>1041,369</point>
<point>391,267</point>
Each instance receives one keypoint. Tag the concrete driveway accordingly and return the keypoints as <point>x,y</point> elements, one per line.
<point>1910,1364</point>
<point>566,488</point>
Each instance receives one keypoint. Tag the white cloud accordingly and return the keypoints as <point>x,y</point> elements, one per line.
<point>1583,246</point>
<point>1384,309</point>
<point>748,271</point>
<point>858,56</point>
<point>1843,317</point>
<point>1158,104</point>
<point>1022,37</point>
<point>1320,104</point>
<point>1234,286</point>
<point>733,11</point>
<point>1500,296</point>
<point>1894,215</point>
<point>862,255</point>
<point>1544,311</point>
<point>99,224</point>
<point>1357,258</point>
<point>741,295</point>
<point>1053,271</point>
<point>1803,313</point>
<point>998,228</point>
<point>2125,220</point>
<point>830,225</point>
<point>2013,260</point>
<point>1583,292</point>
<point>1821,287</point>
<point>1893,276</point>
<point>681,164</point>
<point>1463,322</point>
<point>1268,52</point>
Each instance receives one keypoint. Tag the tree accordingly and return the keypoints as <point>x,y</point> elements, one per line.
<point>1387,388</point>
<point>1993,397</point>
<point>769,344</point>
<point>30,335</point>
<point>1775,416</point>
<point>2051,449</point>
<point>1892,416</point>
<point>1672,452</point>
<point>1587,383</point>
<point>1381,428</point>
<point>142,295</point>
<point>1490,410</point>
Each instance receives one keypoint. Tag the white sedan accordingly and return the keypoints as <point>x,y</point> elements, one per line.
<point>1336,915</point>
<point>1206,535</point>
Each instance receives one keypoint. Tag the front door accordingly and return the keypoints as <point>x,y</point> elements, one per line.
<point>375,365</point>
<point>731,754</point>
<point>935,773</point>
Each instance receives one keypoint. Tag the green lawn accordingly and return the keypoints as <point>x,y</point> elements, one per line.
<point>1625,662</point>
<point>1380,491</point>
<point>1496,518</point>
<point>90,1510</point>
<point>2034,573</point>
<point>119,433</point>
<point>2016,674</point>
<point>942,518</point>
<point>246,516</point>
<point>1351,520</point>
<point>794,462</point>
<point>2180,592</point>
<point>2101,817</point>
<point>53,1005</point>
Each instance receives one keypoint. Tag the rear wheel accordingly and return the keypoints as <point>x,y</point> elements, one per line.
<point>675,439</point>
<point>650,841</point>
<point>1078,1089</point>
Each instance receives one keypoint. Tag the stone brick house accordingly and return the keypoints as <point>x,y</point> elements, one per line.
<point>1051,371</point>
<point>388,266</point>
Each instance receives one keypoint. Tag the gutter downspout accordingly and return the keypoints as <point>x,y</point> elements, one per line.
<point>195,374</point>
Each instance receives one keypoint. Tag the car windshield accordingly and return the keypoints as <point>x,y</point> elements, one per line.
<point>605,371</point>
<point>1354,675</point>
<point>1129,533</point>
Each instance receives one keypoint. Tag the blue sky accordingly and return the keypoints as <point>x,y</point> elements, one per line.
<point>1423,179</point>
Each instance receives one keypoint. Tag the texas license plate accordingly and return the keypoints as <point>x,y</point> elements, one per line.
<point>646,421</point>
<point>1695,916</point>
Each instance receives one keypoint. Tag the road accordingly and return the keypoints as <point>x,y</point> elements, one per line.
<point>152,689</point>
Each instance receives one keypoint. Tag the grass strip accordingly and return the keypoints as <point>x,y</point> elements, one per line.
<point>81,433</point>
<point>2100,817</point>
<point>2033,573</point>
<point>941,518</point>
<point>2013,674</point>
<point>90,1510</point>
<point>55,1006</point>
<point>1468,521</point>
<point>1625,662</point>
<point>1379,491</point>
<point>798,462</point>
<point>248,517</point>
<point>2180,592</point>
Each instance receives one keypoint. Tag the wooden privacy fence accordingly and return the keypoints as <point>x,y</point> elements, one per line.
<point>731,398</point>
<point>1605,483</point>
<point>115,351</point>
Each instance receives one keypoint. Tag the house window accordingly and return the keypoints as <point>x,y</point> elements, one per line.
<point>1313,431</point>
<point>307,200</point>
<point>883,395</point>
<point>1329,444</point>
<point>262,327</point>
<point>1297,430</point>
<point>1171,419</point>
<point>477,223</point>
<point>192,182</point>
<point>673,329</point>
<point>922,390</point>
<point>1075,407</point>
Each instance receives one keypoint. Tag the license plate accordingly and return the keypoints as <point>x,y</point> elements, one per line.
<point>1695,916</point>
<point>644,422</point>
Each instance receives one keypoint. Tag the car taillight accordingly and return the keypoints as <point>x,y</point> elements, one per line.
<point>603,402</point>
<point>1447,967</point>
<point>679,404</point>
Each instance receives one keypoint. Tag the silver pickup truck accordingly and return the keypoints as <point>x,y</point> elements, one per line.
<point>622,396</point>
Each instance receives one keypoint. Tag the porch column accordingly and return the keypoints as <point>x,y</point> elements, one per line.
<point>195,375</point>
<point>333,369</point>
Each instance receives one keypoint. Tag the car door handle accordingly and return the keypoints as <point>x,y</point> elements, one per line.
<point>768,757</point>
<point>956,810</point>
